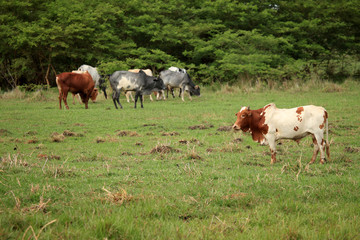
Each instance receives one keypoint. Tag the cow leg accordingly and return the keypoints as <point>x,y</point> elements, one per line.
<point>64,97</point>
<point>172,92</point>
<point>85,99</point>
<point>316,150</point>
<point>137,94</point>
<point>321,144</point>
<point>73,95</point>
<point>163,94</point>
<point>151,99</point>
<point>117,99</point>
<point>272,145</point>
<point>60,97</point>
<point>182,93</point>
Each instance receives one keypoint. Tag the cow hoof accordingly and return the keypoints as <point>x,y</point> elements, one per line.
<point>322,161</point>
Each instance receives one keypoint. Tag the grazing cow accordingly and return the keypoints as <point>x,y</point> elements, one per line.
<point>138,82</point>
<point>269,124</point>
<point>147,72</point>
<point>81,83</point>
<point>98,79</point>
<point>180,80</point>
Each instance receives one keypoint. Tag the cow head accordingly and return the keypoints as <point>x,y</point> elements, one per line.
<point>243,119</point>
<point>195,91</point>
<point>159,84</point>
<point>94,94</point>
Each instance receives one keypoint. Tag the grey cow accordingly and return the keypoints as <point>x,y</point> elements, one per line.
<point>138,82</point>
<point>97,78</point>
<point>180,80</point>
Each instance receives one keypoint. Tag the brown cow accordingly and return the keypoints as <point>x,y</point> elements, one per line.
<point>75,83</point>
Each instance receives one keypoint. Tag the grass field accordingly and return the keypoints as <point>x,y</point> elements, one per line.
<point>173,170</point>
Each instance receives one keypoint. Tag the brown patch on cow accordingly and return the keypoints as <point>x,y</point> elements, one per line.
<point>299,110</point>
<point>325,118</point>
<point>277,130</point>
<point>296,128</point>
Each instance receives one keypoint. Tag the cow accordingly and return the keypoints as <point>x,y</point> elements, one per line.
<point>138,82</point>
<point>269,124</point>
<point>97,78</point>
<point>147,72</point>
<point>94,93</point>
<point>81,83</point>
<point>180,80</point>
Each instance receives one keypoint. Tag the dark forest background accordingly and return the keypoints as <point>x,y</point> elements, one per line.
<point>216,40</point>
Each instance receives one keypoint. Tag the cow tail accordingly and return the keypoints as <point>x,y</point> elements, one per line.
<point>327,144</point>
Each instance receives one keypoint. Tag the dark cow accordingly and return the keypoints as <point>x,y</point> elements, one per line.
<point>141,83</point>
<point>180,80</point>
<point>97,78</point>
<point>81,83</point>
<point>270,123</point>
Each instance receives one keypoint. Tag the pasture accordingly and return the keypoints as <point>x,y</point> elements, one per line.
<point>174,170</point>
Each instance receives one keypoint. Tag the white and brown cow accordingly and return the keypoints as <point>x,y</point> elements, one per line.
<point>269,124</point>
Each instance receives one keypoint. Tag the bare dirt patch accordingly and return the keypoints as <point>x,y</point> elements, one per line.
<point>4,132</point>
<point>170,134</point>
<point>225,129</point>
<point>201,127</point>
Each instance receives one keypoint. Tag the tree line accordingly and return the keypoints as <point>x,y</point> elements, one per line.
<point>216,40</point>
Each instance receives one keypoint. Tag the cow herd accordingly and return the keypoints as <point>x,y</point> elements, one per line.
<point>266,125</point>
<point>140,81</point>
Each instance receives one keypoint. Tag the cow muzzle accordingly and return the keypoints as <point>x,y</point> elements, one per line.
<point>235,127</point>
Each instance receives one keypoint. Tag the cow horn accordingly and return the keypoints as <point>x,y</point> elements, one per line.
<point>248,107</point>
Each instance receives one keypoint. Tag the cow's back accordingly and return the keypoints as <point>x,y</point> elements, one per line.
<point>92,71</point>
<point>75,81</point>
<point>171,78</point>
<point>291,122</point>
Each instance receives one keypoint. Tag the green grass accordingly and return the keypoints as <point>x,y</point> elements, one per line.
<point>154,173</point>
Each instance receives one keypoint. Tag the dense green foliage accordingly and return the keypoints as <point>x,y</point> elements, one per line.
<point>218,41</point>
<point>173,170</point>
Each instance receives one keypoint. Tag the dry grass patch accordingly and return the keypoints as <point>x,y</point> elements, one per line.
<point>118,198</point>
<point>57,137</point>
<point>69,133</point>
<point>163,149</point>
<point>170,134</point>
<point>16,93</point>
<point>124,133</point>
